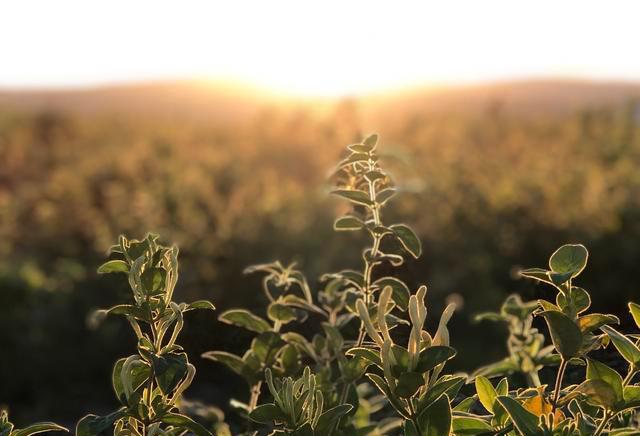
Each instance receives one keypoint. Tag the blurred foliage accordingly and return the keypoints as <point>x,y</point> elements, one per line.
<point>482,188</point>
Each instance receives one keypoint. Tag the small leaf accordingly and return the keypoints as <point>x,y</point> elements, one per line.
<point>486,393</point>
<point>593,321</point>
<point>450,386</point>
<point>184,422</point>
<point>367,354</point>
<point>266,414</point>
<point>233,362</point>
<point>634,309</point>
<point>431,357</point>
<point>92,425</point>
<point>525,421</point>
<point>385,195</point>
<point>280,312</point>
<point>599,371</point>
<point>468,425</point>
<point>598,393</point>
<point>244,318</point>
<point>408,384</point>
<point>347,223</point>
<point>200,304</point>
<point>40,427</point>
<point>408,239</point>
<point>266,346</point>
<point>113,266</point>
<point>569,259</point>
<point>400,292</point>
<point>330,417</point>
<point>435,420</point>
<point>624,345</point>
<point>355,196</point>
<point>565,334</point>
<point>371,141</point>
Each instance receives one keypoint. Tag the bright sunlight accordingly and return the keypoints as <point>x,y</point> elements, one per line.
<point>320,49</point>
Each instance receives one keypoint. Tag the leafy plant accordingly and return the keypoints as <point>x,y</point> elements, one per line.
<point>7,428</point>
<point>148,384</point>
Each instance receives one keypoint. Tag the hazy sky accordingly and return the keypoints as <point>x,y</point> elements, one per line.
<point>316,48</point>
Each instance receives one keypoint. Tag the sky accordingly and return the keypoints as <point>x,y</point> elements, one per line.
<point>322,48</point>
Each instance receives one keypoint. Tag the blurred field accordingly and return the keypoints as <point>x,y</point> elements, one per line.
<point>493,177</point>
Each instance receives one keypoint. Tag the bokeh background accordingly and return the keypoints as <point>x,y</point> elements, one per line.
<point>510,148</point>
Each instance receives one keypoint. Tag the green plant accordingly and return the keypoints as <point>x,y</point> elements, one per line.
<point>603,403</point>
<point>7,428</point>
<point>333,382</point>
<point>148,384</point>
<point>527,353</point>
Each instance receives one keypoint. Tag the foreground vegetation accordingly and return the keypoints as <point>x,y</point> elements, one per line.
<point>389,378</point>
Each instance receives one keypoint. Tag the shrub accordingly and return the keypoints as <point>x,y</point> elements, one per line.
<point>390,376</point>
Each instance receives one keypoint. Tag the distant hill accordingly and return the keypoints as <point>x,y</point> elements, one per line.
<point>227,102</point>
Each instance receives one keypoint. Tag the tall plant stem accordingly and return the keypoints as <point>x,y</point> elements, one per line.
<point>558,386</point>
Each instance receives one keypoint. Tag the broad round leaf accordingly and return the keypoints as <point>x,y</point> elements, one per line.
<point>569,259</point>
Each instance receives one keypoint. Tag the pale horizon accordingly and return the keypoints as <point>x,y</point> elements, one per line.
<point>327,49</point>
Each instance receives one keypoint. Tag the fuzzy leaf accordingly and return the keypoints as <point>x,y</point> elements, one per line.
<point>408,239</point>
<point>244,318</point>
<point>565,334</point>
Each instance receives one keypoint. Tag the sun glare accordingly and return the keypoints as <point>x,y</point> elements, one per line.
<point>320,49</point>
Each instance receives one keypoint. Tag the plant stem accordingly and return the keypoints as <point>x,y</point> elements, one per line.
<point>558,386</point>
<point>255,395</point>
<point>605,419</point>
<point>630,374</point>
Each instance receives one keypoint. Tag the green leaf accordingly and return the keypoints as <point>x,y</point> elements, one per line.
<point>267,413</point>
<point>233,362</point>
<point>624,345</point>
<point>200,304</point>
<point>153,280</point>
<point>598,393</point>
<point>354,196</point>
<point>184,422</point>
<point>486,393</point>
<point>525,421</point>
<point>435,420</point>
<point>569,259</point>
<point>634,309</point>
<point>409,429</point>
<point>599,371</point>
<point>330,417</point>
<point>450,386</point>
<point>400,291</point>
<point>40,427</point>
<point>169,369</point>
<point>347,223</point>
<point>385,195</point>
<point>93,425</point>
<point>408,384</point>
<point>244,318</point>
<point>367,354</point>
<point>565,334</point>
<point>371,141</point>
<point>469,425</point>
<point>113,266</point>
<point>280,312</point>
<point>581,299</point>
<point>266,346</point>
<point>505,366</point>
<point>431,357</point>
<point>408,239</point>
<point>593,321</point>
